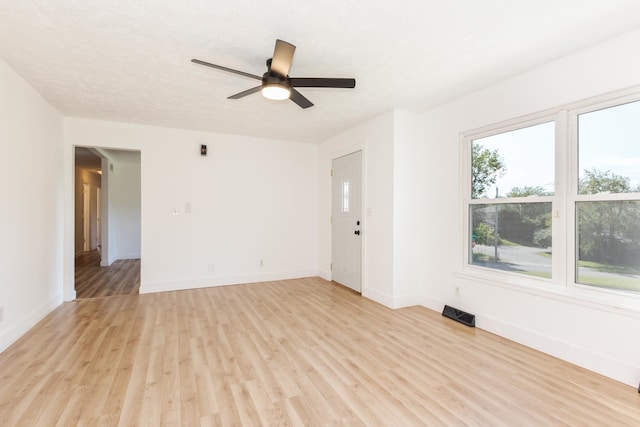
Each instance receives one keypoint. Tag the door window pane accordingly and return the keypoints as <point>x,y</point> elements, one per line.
<point>609,150</point>
<point>608,252</point>
<point>519,163</point>
<point>513,237</point>
<point>345,196</point>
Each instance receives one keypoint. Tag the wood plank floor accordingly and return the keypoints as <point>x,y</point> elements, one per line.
<point>296,352</point>
<point>92,281</point>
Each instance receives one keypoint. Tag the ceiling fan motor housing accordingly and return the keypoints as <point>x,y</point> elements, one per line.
<point>274,79</point>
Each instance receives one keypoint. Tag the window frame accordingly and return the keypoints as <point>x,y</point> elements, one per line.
<point>467,139</point>
<point>574,197</point>
<point>563,282</point>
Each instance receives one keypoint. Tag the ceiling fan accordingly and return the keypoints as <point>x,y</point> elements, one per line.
<point>276,83</point>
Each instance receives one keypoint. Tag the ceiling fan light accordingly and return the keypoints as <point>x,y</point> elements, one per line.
<point>276,91</point>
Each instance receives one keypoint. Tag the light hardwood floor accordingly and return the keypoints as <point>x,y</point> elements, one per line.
<point>296,352</point>
<point>92,281</point>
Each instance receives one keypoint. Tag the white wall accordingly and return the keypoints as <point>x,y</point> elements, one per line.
<point>410,201</point>
<point>591,334</point>
<point>395,199</point>
<point>375,139</point>
<point>124,210</point>
<point>31,208</point>
<point>251,200</point>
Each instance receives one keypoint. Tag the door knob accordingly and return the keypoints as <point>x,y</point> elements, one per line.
<point>357,232</point>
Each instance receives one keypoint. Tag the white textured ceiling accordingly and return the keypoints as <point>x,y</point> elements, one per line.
<point>127,60</point>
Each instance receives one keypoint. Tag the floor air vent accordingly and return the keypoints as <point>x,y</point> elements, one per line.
<point>459,316</point>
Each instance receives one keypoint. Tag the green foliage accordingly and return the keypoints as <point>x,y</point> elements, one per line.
<point>542,237</point>
<point>486,167</point>
<point>596,181</point>
<point>519,222</point>
<point>528,191</point>
<point>484,234</point>
<point>608,230</point>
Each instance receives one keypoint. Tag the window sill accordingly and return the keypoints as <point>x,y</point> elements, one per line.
<point>613,301</point>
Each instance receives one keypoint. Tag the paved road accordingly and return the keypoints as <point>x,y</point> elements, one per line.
<point>516,258</point>
<point>532,260</point>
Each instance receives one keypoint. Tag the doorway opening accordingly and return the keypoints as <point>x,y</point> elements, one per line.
<point>107,222</point>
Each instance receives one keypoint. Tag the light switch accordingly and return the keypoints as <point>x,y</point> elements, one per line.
<point>187,207</point>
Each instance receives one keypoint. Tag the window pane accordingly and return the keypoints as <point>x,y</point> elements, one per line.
<point>519,163</point>
<point>513,237</point>
<point>345,196</point>
<point>609,150</point>
<point>609,244</point>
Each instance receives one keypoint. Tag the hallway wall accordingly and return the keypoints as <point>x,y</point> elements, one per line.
<point>32,209</point>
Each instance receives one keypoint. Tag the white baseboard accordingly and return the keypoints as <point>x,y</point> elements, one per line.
<point>407,301</point>
<point>611,368</point>
<point>195,283</point>
<point>432,303</point>
<point>126,256</point>
<point>110,261</point>
<point>69,295</point>
<point>379,297</point>
<point>29,321</point>
<point>604,365</point>
<point>325,274</point>
<point>399,302</point>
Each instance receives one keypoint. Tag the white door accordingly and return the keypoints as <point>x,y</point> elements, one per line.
<point>346,221</point>
<point>98,223</point>
<point>86,216</point>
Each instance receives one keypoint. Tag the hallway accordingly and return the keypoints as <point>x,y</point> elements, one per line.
<point>92,281</point>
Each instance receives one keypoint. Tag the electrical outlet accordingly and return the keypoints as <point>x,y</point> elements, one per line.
<point>261,263</point>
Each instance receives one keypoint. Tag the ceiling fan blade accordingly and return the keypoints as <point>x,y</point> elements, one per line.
<point>322,82</point>
<point>230,70</point>
<point>282,57</point>
<point>245,93</point>
<point>299,99</point>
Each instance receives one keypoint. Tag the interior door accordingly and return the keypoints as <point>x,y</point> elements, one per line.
<point>86,216</point>
<point>346,221</point>
<point>98,222</point>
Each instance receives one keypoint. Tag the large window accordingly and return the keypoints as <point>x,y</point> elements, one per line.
<point>607,203</point>
<point>512,184</point>
<point>568,180</point>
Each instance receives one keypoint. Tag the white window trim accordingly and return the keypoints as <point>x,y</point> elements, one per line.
<point>563,284</point>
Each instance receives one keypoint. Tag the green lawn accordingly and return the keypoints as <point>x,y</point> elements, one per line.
<point>625,283</point>
<point>607,268</point>
<point>617,277</point>
<point>623,276</point>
